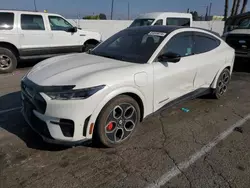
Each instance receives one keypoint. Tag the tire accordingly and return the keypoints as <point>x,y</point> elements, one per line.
<point>115,126</point>
<point>88,46</point>
<point>222,84</point>
<point>8,60</point>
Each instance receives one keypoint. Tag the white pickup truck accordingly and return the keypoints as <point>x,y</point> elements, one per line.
<point>34,35</point>
<point>164,18</point>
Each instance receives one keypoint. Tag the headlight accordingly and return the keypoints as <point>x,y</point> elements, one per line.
<point>76,94</point>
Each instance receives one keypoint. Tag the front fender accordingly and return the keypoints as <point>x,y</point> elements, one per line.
<point>109,97</point>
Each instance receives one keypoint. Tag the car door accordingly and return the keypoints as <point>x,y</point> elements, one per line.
<point>173,80</point>
<point>63,41</point>
<point>35,39</point>
<point>209,59</point>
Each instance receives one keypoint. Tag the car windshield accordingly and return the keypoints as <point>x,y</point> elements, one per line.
<point>142,22</point>
<point>238,24</point>
<point>135,46</point>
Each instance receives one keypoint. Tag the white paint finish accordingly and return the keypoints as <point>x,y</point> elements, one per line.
<point>196,156</point>
<point>62,38</point>
<point>165,15</point>
<point>33,38</point>
<point>152,82</point>
<point>141,79</point>
<point>172,80</point>
<point>106,28</point>
<point>23,39</point>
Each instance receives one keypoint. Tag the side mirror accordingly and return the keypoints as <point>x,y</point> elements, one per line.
<point>72,29</point>
<point>169,57</point>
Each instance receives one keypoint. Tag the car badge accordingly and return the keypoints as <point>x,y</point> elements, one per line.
<point>242,41</point>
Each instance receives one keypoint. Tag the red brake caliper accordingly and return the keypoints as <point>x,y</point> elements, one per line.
<point>110,126</point>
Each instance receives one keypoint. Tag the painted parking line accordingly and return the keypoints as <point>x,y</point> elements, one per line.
<point>196,156</point>
<point>10,110</point>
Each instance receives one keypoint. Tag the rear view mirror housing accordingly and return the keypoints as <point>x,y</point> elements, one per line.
<point>169,57</point>
<point>72,30</point>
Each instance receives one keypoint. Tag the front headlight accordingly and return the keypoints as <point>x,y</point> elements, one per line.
<point>76,94</point>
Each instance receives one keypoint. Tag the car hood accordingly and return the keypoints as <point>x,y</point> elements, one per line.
<point>238,31</point>
<point>69,69</point>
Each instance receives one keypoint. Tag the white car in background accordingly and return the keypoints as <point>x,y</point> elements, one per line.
<point>164,18</point>
<point>103,95</point>
<point>34,35</point>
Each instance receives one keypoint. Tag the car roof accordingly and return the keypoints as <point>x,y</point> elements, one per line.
<point>169,29</point>
<point>155,15</point>
<point>26,11</point>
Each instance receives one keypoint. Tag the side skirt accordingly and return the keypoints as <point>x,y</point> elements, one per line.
<point>192,95</point>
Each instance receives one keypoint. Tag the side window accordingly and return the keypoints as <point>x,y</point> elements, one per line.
<point>6,20</point>
<point>178,21</point>
<point>32,22</point>
<point>59,24</point>
<point>205,43</point>
<point>181,44</point>
<point>159,22</point>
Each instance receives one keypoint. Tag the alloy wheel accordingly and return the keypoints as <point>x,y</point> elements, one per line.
<point>223,83</point>
<point>121,122</point>
<point>5,61</point>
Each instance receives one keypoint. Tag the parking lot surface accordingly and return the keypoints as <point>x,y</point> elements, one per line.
<point>205,147</point>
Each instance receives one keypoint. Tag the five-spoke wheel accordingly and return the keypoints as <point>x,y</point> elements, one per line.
<point>117,121</point>
<point>222,84</point>
<point>121,122</point>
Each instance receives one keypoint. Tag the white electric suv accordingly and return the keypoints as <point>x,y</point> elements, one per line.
<point>104,94</point>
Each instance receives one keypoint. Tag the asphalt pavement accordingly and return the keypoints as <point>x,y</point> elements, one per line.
<point>205,147</point>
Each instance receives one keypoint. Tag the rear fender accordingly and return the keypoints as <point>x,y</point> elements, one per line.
<point>214,83</point>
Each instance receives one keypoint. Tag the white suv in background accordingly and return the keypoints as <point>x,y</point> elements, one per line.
<point>32,35</point>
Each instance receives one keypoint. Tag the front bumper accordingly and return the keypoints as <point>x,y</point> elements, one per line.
<point>41,128</point>
<point>60,122</point>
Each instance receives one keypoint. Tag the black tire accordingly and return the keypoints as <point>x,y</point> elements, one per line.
<point>222,84</point>
<point>8,60</point>
<point>88,46</point>
<point>110,138</point>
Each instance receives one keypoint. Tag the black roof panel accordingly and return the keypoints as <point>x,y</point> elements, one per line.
<point>167,29</point>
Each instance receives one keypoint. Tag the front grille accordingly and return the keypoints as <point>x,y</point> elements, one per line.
<point>28,93</point>
<point>239,42</point>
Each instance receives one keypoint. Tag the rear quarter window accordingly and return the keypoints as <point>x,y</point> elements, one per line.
<point>6,20</point>
<point>205,43</point>
<point>178,21</point>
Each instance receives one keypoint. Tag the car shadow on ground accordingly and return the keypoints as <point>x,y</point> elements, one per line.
<point>13,122</point>
<point>242,65</point>
<point>28,63</point>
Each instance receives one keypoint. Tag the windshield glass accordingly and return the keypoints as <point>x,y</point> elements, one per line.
<point>241,23</point>
<point>142,22</point>
<point>135,46</point>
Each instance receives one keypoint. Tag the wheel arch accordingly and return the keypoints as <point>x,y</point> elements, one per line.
<point>129,91</point>
<point>11,47</point>
<point>226,66</point>
<point>91,41</point>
